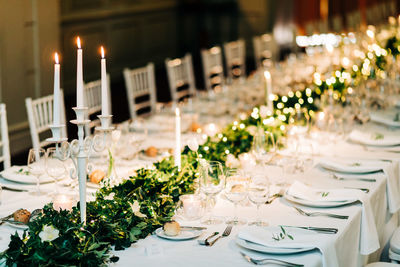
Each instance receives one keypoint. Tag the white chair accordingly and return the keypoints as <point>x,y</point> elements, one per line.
<point>92,100</point>
<point>141,85</point>
<point>5,144</point>
<point>213,68</point>
<point>394,249</point>
<point>181,78</point>
<point>40,117</point>
<point>264,48</point>
<point>235,59</point>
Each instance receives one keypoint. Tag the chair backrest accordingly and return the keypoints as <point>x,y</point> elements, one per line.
<point>213,68</point>
<point>92,100</point>
<point>235,59</point>
<point>40,117</point>
<point>263,49</point>
<point>180,77</point>
<point>5,145</point>
<point>337,23</point>
<point>141,90</point>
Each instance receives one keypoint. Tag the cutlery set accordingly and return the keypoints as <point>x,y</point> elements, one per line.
<point>209,242</point>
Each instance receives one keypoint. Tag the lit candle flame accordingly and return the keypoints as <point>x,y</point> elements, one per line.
<point>177,112</point>
<point>56,58</point>
<point>267,75</point>
<point>102,52</point>
<point>78,42</point>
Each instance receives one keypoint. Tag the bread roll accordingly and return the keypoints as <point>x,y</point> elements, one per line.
<point>96,176</point>
<point>194,126</point>
<point>151,152</point>
<point>22,215</point>
<point>172,228</point>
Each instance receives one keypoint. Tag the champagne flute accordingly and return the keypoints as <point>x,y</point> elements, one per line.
<point>236,191</point>
<point>258,194</point>
<point>212,181</point>
<point>55,167</point>
<point>36,166</point>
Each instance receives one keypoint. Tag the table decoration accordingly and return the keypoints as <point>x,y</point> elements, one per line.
<point>62,202</point>
<point>177,151</point>
<point>190,207</point>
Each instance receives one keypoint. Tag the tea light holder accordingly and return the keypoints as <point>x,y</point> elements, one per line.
<point>62,202</point>
<point>191,206</point>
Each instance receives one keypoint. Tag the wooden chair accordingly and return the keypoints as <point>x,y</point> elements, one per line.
<point>264,48</point>
<point>141,90</point>
<point>235,59</point>
<point>5,144</point>
<point>92,100</point>
<point>181,78</point>
<point>40,117</point>
<point>213,68</point>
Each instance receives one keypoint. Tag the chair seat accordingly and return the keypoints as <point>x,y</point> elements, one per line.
<point>381,264</point>
<point>395,241</point>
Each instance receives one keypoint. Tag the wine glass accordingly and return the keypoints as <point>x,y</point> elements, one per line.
<point>258,193</point>
<point>236,191</point>
<point>263,147</point>
<point>55,167</point>
<point>36,165</point>
<point>212,181</point>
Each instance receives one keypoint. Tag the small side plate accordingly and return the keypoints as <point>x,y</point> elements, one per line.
<point>183,235</point>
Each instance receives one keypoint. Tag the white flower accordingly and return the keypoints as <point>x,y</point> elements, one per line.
<point>252,130</point>
<point>136,209</point>
<point>232,162</point>
<point>264,111</point>
<point>115,135</point>
<point>110,196</point>
<point>49,233</point>
<point>193,144</point>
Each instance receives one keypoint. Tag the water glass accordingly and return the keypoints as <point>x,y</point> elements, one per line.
<point>236,191</point>
<point>36,165</point>
<point>55,168</point>
<point>258,193</point>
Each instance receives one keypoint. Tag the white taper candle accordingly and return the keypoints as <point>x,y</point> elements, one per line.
<point>56,93</point>
<point>79,76</point>
<point>105,110</point>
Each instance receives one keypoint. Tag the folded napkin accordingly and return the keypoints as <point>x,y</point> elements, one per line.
<point>384,119</point>
<point>374,139</point>
<point>390,169</point>
<point>369,241</point>
<point>301,239</point>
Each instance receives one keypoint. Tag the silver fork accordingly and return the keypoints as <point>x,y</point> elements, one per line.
<point>270,261</point>
<point>226,232</point>
<point>312,214</point>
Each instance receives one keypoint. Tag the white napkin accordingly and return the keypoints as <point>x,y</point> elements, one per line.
<point>390,169</point>
<point>384,120</point>
<point>369,241</point>
<point>301,239</point>
<point>370,140</point>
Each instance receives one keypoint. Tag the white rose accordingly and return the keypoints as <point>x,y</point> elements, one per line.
<point>193,144</point>
<point>48,233</point>
<point>136,209</point>
<point>110,196</point>
<point>232,162</point>
<point>265,111</point>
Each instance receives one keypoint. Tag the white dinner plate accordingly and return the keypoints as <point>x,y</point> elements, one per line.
<point>17,226</point>
<point>317,204</point>
<point>374,139</point>
<point>385,119</point>
<point>183,235</point>
<point>269,250</point>
<point>350,167</point>
<point>13,174</point>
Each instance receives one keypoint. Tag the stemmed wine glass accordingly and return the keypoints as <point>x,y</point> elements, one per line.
<point>36,166</point>
<point>212,181</point>
<point>236,191</point>
<point>55,158</point>
<point>259,147</point>
<point>258,193</point>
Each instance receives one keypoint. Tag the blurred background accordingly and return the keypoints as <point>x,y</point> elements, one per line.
<point>135,32</point>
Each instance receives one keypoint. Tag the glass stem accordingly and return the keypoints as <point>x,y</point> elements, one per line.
<point>235,214</point>
<point>258,219</point>
<point>38,184</point>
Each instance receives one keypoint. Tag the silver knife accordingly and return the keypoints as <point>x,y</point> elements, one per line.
<point>325,230</point>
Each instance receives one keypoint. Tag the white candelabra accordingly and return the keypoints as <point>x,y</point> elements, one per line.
<point>79,150</point>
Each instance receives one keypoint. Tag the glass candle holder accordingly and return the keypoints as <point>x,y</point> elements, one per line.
<point>62,202</point>
<point>190,207</point>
